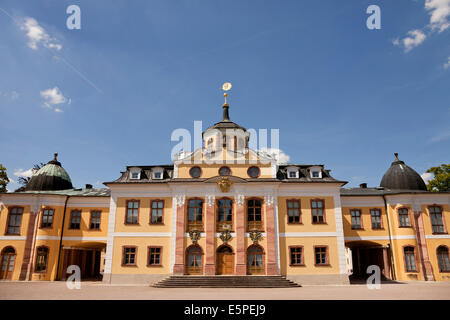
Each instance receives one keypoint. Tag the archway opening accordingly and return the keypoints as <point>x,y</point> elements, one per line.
<point>255,260</point>
<point>194,260</point>
<point>225,260</point>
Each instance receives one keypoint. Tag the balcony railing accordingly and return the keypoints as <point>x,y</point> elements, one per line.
<point>194,225</point>
<point>254,225</point>
<point>224,226</point>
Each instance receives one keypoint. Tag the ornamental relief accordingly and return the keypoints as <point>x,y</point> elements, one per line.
<point>179,199</point>
<point>239,198</point>
<point>225,236</point>
<point>224,184</point>
<point>195,236</point>
<point>255,235</point>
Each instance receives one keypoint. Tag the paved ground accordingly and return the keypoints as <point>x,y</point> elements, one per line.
<point>96,290</point>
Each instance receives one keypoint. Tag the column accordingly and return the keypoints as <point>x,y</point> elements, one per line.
<point>239,217</point>
<point>178,267</point>
<point>210,265</point>
<point>272,268</point>
<point>422,245</point>
<point>26,269</point>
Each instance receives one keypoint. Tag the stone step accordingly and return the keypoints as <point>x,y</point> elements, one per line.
<point>226,282</point>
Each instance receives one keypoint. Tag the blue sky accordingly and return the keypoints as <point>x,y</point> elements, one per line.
<point>340,94</point>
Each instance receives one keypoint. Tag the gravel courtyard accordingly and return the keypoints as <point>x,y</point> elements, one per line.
<point>97,290</point>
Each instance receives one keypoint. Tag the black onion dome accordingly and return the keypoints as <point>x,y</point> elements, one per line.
<point>52,176</point>
<point>400,176</point>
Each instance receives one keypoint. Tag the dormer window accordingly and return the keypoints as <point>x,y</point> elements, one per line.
<point>292,172</point>
<point>157,173</point>
<point>135,173</point>
<point>316,172</point>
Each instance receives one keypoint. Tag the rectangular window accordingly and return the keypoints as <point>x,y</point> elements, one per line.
<point>157,175</point>
<point>95,220</point>
<point>14,220</point>
<point>195,214</point>
<point>129,256</point>
<point>296,256</point>
<point>410,259</point>
<point>437,223</point>
<point>293,207</point>
<point>321,255</point>
<point>254,216</point>
<point>154,256</point>
<point>292,174</point>
<point>157,212</point>
<point>41,259</point>
<point>317,207</point>
<point>75,219</point>
<point>403,217</point>
<point>132,212</point>
<point>315,174</point>
<point>375,215</point>
<point>135,175</point>
<point>47,218</point>
<point>356,219</point>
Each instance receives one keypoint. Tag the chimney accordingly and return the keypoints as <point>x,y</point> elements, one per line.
<point>363,185</point>
<point>88,186</point>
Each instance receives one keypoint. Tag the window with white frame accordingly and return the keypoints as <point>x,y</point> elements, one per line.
<point>292,172</point>
<point>135,173</point>
<point>157,173</point>
<point>316,172</point>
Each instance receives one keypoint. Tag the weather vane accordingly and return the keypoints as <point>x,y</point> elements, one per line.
<point>226,87</point>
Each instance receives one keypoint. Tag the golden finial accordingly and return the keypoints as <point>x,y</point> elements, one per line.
<point>226,87</point>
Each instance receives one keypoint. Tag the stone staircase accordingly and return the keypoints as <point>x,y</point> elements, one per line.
<point>226,282</point>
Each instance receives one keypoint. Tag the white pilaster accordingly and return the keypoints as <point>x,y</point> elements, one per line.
<point>340,233</point>
<point>110,237</point>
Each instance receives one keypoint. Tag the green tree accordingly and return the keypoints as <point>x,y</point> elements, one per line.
<point>3,178</point>
<point>441,181</point>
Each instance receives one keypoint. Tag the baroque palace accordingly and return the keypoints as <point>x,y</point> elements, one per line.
<point>225,209</point>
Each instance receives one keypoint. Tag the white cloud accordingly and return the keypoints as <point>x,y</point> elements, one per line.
<point>279,155</point>
<point>37,35</point>
<point>24,173</point>
<point>53,97</point>
<point>427,176</point>
<point>439,11</point>
<point>414,38</point>
<point>447,64</point>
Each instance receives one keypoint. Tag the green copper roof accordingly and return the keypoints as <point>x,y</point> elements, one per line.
<point>53,170</point>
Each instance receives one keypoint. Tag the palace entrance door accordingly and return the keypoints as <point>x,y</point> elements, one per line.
<point>225,260</point>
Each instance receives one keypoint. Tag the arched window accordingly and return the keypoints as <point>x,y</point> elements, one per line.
<point>194,260</point>
<point>41,259</point>
<point>195,214</point>
<point>7,263</point>
<point>410,259</point>
<point>254,216</point>
<point>443,260</point>
<point>224,214</point>
<point>255,260</point>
